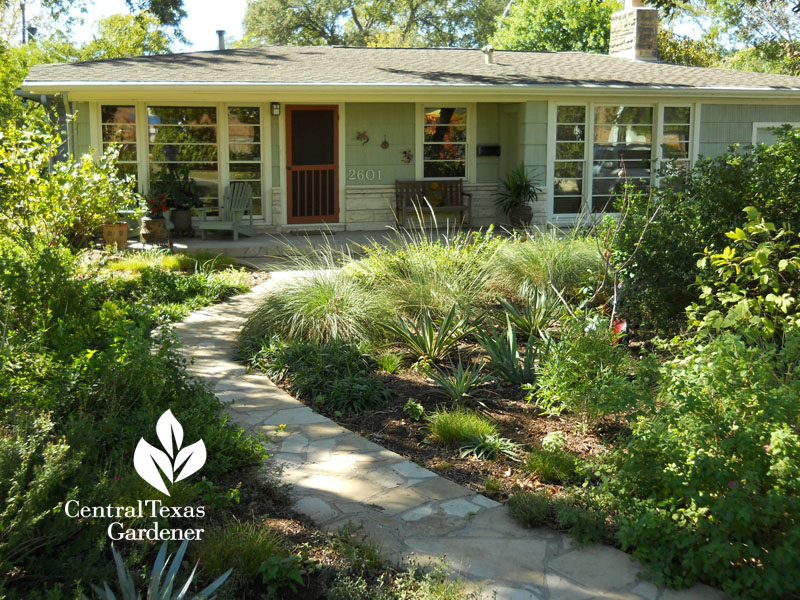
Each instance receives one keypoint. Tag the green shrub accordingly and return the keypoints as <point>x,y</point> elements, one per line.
<point>422,270</point>
<point>459,426</point>
<point>552,466</point>
<point>707,487</point>
<point>586,373</point>
<point>428,340</point>
<point>754,286</point>
<point>545,258</point>
<point>337,375</point>
<point>504,357</point>
<point>458,383</point>
<point>327,305</point>
<point>414,409</point>
<point>694,213</point>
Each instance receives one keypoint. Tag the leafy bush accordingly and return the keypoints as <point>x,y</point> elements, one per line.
<point>337,375</point>
<point>551,466</point>
<point>754,286</point>
<point>427,340</point>
<point>59,202</point>
<point>326,305</point>
<point>414,409</point>
<point>586,373</point>
<point>459,426</point>
<point>504,357</point>
<point>421,270</point>
<point>545,258</point>
<point>458,382</point>
<point>706,488</point>
<point>694,213</point>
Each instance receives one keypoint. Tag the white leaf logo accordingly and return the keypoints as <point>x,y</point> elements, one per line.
<point>176,463</point>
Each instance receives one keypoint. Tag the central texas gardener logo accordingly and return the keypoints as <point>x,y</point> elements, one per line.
<point>175,462</point>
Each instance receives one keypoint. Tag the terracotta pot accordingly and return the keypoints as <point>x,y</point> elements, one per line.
<point>182,220</point>
<point>154,230</point>
<point>521,216</point>
<point>116,234</point>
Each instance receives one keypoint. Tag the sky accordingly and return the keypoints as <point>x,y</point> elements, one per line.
<point>203,19</point>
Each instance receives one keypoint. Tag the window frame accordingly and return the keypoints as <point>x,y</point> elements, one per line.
<point>419,136</point>
<point>768,125</point>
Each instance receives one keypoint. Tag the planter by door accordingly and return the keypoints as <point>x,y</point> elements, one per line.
<point>182,220</point>
<point>116,234</point>
<point>521,216</point>
<point>154,230</point>
<point>312,162</point>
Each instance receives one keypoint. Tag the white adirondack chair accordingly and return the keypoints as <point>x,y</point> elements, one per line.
<point>237,200</point>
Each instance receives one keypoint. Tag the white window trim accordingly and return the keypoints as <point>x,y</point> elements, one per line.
<point>767,125</point>
<point>657,155</point>
<point>419,136</point>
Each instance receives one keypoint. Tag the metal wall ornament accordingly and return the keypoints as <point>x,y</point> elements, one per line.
<point>362,137</point>
<point>408,156</point>
<point>385,143</point>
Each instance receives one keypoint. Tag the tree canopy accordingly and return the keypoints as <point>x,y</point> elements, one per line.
<point>127,35</point>
<point>370,22</point>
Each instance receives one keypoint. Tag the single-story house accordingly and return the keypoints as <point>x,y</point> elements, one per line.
<point>322,133</point>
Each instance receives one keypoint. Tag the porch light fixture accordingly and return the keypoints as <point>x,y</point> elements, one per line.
<point>276,109</point>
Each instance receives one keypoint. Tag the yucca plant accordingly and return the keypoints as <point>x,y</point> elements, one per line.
<point>155,591</point>
<point>489,446</point>
<point>429,341</point>
<point>504,356</point>
<point>534,314</point>
<point>459,381</point>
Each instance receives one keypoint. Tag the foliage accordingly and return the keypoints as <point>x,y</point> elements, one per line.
<point>200,262</point>
<point>279,572</point>
<point>555,25</point>
<point>534,314</point>
<point>127,35</point>
<point>336,375</point>
<point>175,188</point>
<point>518,189</point>
<point>504,357</point>
<point>414,409</point>
<point>458,383</point>
<point>361,23</point>
<point>588,374</point>
<point>753,288</point>
<point>489,446</point>
<point>326,305</point>
<point>551,465</point>
<point>553,441</point>
<point>429,341</point>
<point>170,590</point>
<point>544,259</point>
<point>58,202</point>
<point>532,509</point>
<point>682,50</point>
<point>388,361</point>
<point>421,269</point>
<point>706,488</point>
<point>695,213</point>
<point>459,426</point>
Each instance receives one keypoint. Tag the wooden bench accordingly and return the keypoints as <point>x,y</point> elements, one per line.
<point>237,200</point>
<point>443,195</point>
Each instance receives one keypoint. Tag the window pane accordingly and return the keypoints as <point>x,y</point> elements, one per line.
<point>567,205</point>
<point>444,169</point>
<point>127,152</point>
<point>571,114</point>
<point>573,150</point>
<point>251,152</point>
<point>183,135</point>
<point>118,114</point>
<point>569,169</point>
<point>119,133</point>
<point>571,133</point>
<point>567,187</point>
<point>445,151</point>
<point>181,115</point>
<point>244,114</point>
<point>446,133</point>
<point>625,115</point>
<point>445,116</point>
<point>676,133</point>
<point>183,153</point>
<point>602,204</point>
<point>245,171</point>
<point>676,150</point>
<point>677,114</point>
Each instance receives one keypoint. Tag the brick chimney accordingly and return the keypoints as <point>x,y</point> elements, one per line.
<point>634,32</point>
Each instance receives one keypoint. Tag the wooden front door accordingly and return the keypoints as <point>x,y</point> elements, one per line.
<point>312,134</point>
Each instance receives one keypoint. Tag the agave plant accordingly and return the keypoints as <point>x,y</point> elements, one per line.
<point>504,356</point>
<point>428,341</point>
<point>155,591</point>
<point>489,446</point>
<point>459,382</point>
<point>534,314</point>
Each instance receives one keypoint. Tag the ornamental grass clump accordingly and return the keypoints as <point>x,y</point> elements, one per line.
<point>459,426</point>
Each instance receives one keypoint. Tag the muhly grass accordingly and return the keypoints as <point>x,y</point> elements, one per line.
<point>458,426</point>
<point>135,262</point>
<point>544,258</point>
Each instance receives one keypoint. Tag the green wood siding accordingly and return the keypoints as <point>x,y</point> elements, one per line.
<point>488,124</point>
<point>535,139</point>
<point>724,124</point>
<point>395,122</point>
<point>276,151</point>
<point>80,128</point>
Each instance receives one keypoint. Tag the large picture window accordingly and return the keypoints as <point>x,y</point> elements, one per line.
<point>244,149</point>
<point>118,126</point>
<point>185,137</point>
<point>445,142</point>
<point>570,152</point>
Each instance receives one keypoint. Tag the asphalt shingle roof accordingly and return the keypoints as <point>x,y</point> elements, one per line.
<point>402,66</point>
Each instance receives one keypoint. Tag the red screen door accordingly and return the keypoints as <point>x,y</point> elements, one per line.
<point>312,134</point>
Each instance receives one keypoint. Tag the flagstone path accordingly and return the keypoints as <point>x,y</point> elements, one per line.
<point>338,477</point>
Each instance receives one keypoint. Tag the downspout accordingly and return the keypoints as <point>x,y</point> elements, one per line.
<point>55,112</point>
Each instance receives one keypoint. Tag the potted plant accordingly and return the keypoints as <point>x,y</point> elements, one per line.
<point>179,192</point>
<point>518,190</point>
<point>154,225</point>
<point>115,232</point>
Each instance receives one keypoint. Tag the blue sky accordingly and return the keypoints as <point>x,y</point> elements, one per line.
<point>203,19</point>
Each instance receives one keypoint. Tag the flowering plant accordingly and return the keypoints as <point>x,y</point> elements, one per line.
<point>157,206</point>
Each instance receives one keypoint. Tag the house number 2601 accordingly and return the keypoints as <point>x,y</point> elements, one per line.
<point>363,175</point>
